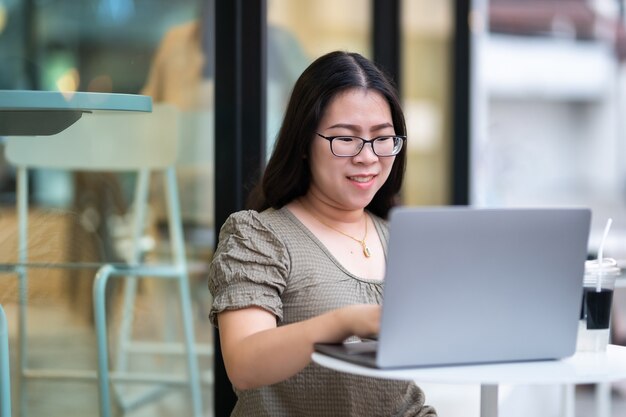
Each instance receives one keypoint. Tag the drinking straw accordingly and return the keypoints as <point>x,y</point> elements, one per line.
<point>600,252</point>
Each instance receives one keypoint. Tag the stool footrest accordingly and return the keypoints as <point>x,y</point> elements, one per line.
<point>120,377</point>
<point>172,348</point>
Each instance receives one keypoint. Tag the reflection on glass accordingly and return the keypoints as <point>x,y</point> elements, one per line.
<point>96,46</point>
<point>426,69</point>
<point>551,86</point>
<point>298,32</point>
<point>182,74</point>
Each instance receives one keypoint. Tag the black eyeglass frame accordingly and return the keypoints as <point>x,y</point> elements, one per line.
<point>365,141</point>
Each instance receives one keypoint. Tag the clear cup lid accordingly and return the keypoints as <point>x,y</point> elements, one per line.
<point>608,266</point>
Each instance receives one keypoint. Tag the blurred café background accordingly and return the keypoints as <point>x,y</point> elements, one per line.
<point>508,103</point>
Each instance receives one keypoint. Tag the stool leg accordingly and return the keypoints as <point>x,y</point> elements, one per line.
<point>99,287</point>
<point>192,354</point>
<point>178,251</point>
<point>22,351</point>
<point>5,374</point>
<point>22,341</point>
<point>142,186</point>
<point>125,331</point>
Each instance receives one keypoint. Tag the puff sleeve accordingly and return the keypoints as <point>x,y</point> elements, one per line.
<point>249,268</point>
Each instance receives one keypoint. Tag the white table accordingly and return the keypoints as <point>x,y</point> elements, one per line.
<point>582,368</point>
<point>603,390</point>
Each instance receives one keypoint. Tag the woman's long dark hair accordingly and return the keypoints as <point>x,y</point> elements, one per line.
<point>288,175</point>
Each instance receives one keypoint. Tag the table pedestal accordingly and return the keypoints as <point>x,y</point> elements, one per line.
<point>489,400</point>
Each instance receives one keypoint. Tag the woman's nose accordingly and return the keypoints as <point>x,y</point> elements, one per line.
<point>367,153</point>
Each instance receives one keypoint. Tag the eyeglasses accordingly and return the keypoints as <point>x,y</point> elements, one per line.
<point>347,146</point>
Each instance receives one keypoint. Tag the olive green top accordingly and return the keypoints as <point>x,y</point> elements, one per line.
<point>271,260</point>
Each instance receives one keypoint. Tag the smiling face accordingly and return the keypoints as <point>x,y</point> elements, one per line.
<point>350,183</point>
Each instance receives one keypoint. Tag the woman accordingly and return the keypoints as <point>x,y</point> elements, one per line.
<point>306,265</point>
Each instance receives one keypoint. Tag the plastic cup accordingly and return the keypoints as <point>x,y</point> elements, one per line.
<point>595,312</point>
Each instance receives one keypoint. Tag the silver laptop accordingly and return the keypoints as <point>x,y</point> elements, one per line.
<point>467,286</point>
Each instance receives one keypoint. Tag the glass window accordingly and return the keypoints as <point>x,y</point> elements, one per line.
<point>426,80</point>
<point>150,47</point>
<point>549,92</point>
<point>300,31</point>
<point>155,47</point>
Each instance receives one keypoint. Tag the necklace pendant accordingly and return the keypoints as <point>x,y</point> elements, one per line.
<point>366,251</point>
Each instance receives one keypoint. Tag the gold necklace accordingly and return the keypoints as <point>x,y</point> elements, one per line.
<point>366,250</point>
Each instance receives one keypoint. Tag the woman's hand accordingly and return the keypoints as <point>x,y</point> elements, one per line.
<point>362,320</point>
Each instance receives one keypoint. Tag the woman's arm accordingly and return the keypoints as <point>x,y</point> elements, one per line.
<point>256,352</point>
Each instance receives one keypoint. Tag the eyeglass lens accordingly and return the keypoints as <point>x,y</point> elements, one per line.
<point>350,146</point>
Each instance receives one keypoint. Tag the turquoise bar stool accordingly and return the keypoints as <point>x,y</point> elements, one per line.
<point>113,141</point>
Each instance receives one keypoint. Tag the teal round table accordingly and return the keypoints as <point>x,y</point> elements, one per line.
<point>44,113</point>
